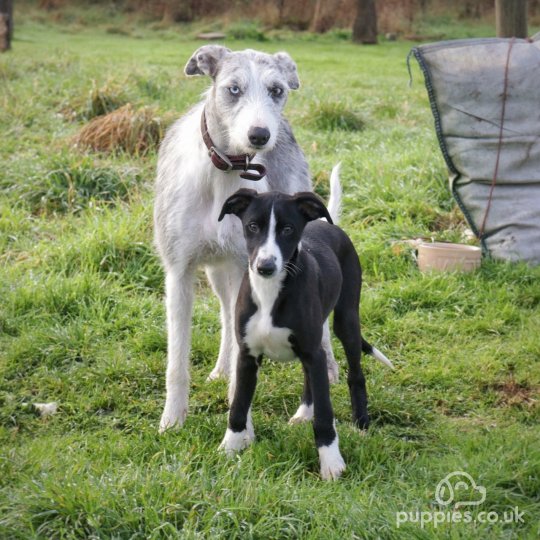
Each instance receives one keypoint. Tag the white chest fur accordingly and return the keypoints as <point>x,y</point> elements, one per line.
<point>262,337</point>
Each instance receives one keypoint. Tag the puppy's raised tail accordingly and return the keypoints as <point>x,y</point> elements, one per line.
<point>373,351</point>
<point>334,203</point>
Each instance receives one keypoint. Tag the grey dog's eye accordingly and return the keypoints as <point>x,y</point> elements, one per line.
<point>276,91</point>
<point>234,90</point>
<point>253,227</point>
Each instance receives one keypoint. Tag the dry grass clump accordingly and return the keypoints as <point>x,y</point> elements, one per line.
<point>126,129</point>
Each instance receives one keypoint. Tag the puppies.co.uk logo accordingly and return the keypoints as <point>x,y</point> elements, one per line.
<point>459,490</point>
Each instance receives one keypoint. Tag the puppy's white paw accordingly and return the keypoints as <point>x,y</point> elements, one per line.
<point>303,414</point>
<point>332,464</point>
<point>234,442</point>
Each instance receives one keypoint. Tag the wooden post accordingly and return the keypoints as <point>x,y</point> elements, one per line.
<point>6,24</point>
<point>511,18</point>
<point>365,24</point>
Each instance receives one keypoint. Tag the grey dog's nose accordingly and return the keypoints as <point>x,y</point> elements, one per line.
<point>266,267</point>
<point>258,136</point>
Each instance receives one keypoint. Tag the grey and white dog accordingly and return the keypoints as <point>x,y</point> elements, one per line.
<point>242,116</point>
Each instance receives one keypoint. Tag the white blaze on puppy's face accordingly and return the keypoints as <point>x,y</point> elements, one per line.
<point>269,252</point>
<point>262,337</point>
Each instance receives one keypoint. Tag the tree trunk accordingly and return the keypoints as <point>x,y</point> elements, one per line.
<point>324,15</point>
<point>316,16</point>
<point>511,18</point>
<point>365,24</point>
<point>6,24</point>
<point>177,11</point>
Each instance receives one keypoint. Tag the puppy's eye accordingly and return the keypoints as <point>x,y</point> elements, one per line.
<point>276,91</point>
<point>252,227</point>
<point>234,90</point>
<point>287,230</point>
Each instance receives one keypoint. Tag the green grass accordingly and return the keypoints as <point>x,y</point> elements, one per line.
<point>82,318</point>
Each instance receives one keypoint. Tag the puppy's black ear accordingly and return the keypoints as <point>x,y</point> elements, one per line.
<point>205,60</point>
<point>237,203</point>
<point>311,206</point>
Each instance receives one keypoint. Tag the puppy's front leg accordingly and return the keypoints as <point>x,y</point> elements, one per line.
<point>326,437</point>
<point>240,433</point>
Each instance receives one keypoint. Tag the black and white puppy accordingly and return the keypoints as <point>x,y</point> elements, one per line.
<point>300,269</point>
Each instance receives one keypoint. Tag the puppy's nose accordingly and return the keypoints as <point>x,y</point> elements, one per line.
<point>266,267</point>
<point>258,136</point>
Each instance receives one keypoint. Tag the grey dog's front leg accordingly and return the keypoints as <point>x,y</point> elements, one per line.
<point>179,304</point>
<point>225,278</point>
<point>331,364</point>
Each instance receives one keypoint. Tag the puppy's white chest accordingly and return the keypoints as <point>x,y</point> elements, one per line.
<point>262,337</point>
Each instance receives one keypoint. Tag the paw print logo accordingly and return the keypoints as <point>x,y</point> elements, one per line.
<point>459,488</point>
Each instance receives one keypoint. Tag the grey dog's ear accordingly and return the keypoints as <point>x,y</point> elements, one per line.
<point>237,203</point>
<point>311,206</point>
<point>205,60</point>
<point>288,68</point>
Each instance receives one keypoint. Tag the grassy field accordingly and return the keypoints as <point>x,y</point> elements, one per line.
<point>82,318</point>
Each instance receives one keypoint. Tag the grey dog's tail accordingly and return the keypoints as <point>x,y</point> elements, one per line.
<point>334,203</point>
<point>373,351</point>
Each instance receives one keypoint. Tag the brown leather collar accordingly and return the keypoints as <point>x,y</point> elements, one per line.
<point>241,162</point>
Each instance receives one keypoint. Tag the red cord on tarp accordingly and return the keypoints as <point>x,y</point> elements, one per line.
<point>503,110</point>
